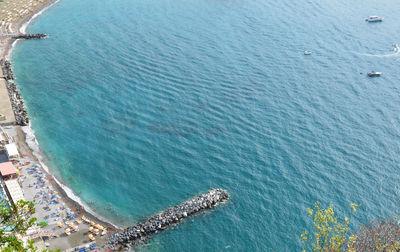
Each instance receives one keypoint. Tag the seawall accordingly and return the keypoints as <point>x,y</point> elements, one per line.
<point>17,103</point>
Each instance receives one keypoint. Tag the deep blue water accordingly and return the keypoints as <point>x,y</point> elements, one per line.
<point>142,104</point>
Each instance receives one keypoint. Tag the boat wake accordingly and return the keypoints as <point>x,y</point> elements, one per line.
<point>396,52</point>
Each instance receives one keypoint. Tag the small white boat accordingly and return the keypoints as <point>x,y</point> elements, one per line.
<point>374,74</point>
<point>307,53</point>
<point>374,19</point>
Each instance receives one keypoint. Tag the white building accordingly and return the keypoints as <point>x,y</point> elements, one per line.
<point>14,191</point>
<point>12,151</point>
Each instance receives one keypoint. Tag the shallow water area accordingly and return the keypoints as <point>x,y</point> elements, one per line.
<point>140,105</point>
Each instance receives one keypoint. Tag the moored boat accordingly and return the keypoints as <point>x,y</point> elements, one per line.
<point>374,74</point>
<point>374,19</point>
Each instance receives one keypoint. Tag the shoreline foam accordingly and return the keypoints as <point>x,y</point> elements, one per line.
<point>33,144</point>
<point>24,25</point>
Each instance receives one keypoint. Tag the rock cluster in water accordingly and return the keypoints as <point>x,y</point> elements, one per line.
<point>17,103</point>
<point>30,36</point>
<point>152,225</point>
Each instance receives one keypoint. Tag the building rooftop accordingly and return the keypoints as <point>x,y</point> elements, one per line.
<point>14,190</point>
<point>12,150</point>
<point>7,168</point>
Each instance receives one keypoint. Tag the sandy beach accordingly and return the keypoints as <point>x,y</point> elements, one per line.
<point>69,226</point>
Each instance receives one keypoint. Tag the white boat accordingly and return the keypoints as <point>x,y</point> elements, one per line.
<point>374,19</point>
<point>307,52</point>
<point>374,74</point>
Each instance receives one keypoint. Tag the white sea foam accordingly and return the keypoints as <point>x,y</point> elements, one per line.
<point>24,26</point>
<point>33,144</point>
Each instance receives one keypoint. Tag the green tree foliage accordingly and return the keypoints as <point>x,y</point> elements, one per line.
<point>16,220</point>
<point>330,233</point>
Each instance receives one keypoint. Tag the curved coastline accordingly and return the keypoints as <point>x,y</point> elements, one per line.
<point>23,25</point>
<point>70,198</point>
<point>74,201</point>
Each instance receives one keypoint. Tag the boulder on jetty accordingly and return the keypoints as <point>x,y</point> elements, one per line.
<point>6,67</point>
<point>152,225</point>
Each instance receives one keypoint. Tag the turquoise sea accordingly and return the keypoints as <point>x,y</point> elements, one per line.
<point>139,105</point>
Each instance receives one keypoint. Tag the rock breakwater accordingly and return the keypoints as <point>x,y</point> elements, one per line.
<point>158,222</point>
<point>17,103</point>
<point>30,36</point>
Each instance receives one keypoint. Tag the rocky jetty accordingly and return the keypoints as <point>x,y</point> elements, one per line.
<point>6,67</point>
<point>17,103</point>
<point>30,36</point>
<point>152,225</point>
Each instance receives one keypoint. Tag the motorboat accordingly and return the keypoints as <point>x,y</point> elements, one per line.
<point>374,74</point>
<point>374,19</point>
<point>307,53</point>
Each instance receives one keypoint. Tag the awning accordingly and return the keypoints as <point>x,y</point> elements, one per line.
<point>14,190</point>
<point>12,150</point>
<point>7,168</point>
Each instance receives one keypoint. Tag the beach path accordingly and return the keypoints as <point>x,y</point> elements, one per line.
<point>5,104</point>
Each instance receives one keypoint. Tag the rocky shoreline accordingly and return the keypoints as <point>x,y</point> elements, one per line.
<point>17,102</point>
<point>156,223</point>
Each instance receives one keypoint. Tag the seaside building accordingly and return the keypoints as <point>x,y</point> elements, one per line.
<point>7,171</point>
<point>11,151</point>
<point>14,191</point>
<point>12,187</point>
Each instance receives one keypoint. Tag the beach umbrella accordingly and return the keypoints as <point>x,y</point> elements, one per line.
<point>91,237</point>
